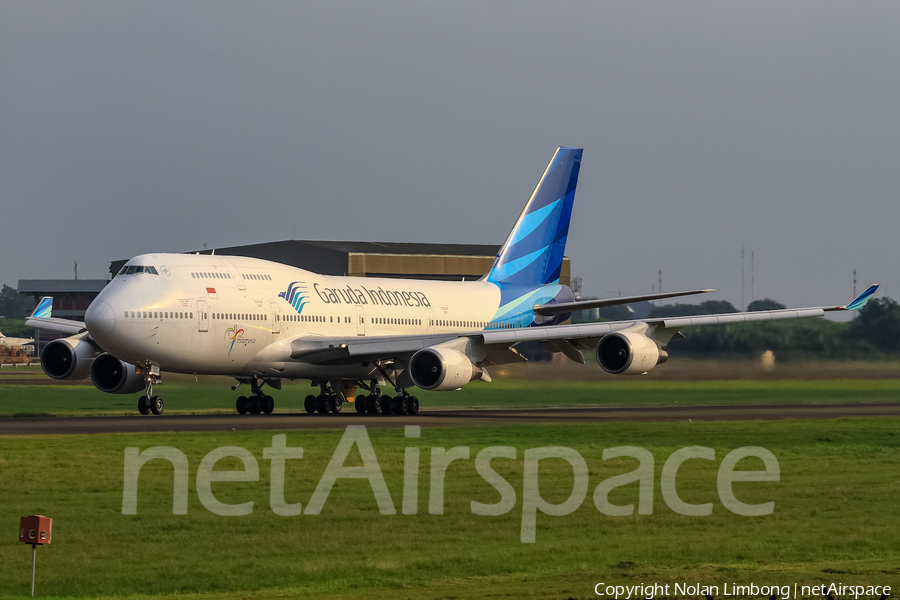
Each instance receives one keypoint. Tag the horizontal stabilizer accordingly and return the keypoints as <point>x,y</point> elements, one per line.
<point>567,307</point>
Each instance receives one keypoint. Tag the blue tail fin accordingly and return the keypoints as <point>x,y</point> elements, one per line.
<point>533,252</point>
<point>44,309</point>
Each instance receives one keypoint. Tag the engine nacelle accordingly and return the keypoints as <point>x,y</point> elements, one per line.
<point>111,375</point>
<point>628,353</point>
<point>438,368</point>
<point>69,358</point>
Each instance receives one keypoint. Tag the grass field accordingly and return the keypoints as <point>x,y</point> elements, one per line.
<point>835,519</point>
<point>28,391</point>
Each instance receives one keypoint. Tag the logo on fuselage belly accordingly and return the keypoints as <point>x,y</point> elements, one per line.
<point>297,295</point>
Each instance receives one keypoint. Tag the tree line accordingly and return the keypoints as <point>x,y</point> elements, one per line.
<point>873,333</point>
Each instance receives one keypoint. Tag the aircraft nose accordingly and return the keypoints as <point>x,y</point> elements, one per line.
<point>100,318</point>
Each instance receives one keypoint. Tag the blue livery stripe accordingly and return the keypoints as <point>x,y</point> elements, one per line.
<point>509,269</point>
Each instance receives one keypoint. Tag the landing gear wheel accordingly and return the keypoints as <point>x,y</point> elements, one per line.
<point>242,405</point>
<point>337,404</point>
<point>254,405</point>
<point>309,405</point>
<point>373,405</point>
<point>412,405</point>
<point>156,405</point>
<point>144,405</point>
<point>386,403</point>
<point>268,405</point>
<point>400,405</point>
<point>323,403</point>
<point>360,404</point>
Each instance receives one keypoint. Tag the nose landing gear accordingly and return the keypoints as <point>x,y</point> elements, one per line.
<point>148,403</point>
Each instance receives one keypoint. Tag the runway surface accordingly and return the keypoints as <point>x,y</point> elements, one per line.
<point>448,418</point>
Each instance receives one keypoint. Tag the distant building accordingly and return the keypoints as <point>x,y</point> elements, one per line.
<point>450,262</point>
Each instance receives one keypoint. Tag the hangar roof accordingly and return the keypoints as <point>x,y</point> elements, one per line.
<point>60,286</point>
<point>330,257</point>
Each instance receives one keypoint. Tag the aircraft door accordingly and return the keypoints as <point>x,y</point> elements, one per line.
<point>235,274</point>
<point>429,320</point>
<point>276,317</point>
<point>202,316</point>
<point>360,321</point>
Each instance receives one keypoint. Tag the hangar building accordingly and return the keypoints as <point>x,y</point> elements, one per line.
<point>451,262</point>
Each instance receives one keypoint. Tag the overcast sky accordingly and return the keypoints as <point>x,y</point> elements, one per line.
<point>132,127</point>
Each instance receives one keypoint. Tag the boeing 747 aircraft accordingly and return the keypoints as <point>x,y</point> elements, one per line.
<point>14,342</point>
<point>263,322</point>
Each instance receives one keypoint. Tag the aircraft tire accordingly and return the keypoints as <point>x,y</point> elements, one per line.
<point>373,405</point>
<point>309,405</point>
<point>241,405</point>
<point>323,404</point>
<point>254,405</point>
<point>360,403</point>
<point>337,404</point>
<point>412,405</point>
<point>143,405</point>
<point>386,403</point>
<point>157,405</point>
<point>268,405</point>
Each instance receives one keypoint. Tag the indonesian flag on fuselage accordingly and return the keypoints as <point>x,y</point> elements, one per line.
<point>211,292</point>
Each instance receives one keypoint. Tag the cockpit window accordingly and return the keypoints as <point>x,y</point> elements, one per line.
<point>135,269</point>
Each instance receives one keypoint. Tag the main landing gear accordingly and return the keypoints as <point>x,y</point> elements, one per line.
<point>258,401</point>
<point>148,403</point>
<point>328,401</point>
<point>378,404</point>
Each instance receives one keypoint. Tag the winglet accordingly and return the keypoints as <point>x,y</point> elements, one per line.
<point>860,300</point>
<point>44,308</point>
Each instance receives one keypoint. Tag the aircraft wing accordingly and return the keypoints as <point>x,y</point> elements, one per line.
<point>496,346</point>
<point>56,324</point>
<point>41,318</point>
<point>567,307</point>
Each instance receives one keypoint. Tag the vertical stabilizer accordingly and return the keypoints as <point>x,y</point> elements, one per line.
<point>44,309</point>
<point>533,252</point>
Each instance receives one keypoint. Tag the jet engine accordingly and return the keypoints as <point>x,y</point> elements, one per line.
<point>111,375</point>
<point>629,353</point>
<point>438,368</point>
<point>68,358</point>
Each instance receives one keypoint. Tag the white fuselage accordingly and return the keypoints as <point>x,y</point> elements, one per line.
<point>237,316</point>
